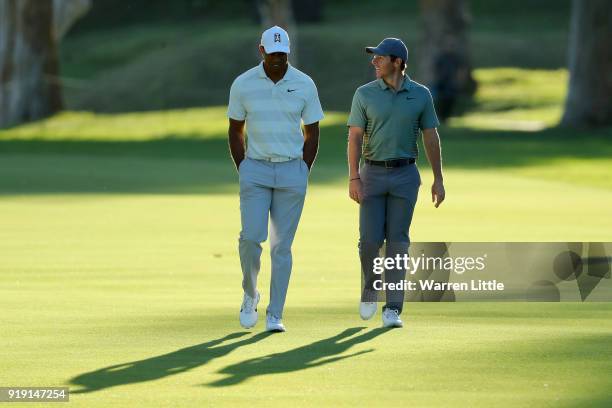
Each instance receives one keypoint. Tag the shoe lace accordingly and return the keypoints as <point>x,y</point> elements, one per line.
<point>393,312</point>
<point>247,303</point>
<point>274,319</point>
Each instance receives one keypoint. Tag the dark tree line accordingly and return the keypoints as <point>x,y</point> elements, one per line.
<point>30,31</point>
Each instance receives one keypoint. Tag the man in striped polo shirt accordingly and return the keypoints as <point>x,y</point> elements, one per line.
<point>273,99</point>
<point>387,116</point>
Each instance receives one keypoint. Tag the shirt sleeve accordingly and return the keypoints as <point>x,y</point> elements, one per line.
<point>428,118</point>
<point>357,117</point>
<point>312,112</point>
<point>235,108</point>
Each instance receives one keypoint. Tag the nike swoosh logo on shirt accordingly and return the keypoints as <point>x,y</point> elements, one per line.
<point>291,90</point>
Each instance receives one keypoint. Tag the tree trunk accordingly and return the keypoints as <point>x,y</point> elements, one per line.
<point>589,97</point>
<point>445,41</point>
<point>280,13</point>
<point>28,58</point>
<point>29,66</point>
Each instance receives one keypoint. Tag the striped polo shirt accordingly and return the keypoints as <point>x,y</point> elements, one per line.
<point>392,121</point>
<point>274,111</point>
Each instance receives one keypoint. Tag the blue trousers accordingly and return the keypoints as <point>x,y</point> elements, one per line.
<point>274,192</point>
<point>385,214</point>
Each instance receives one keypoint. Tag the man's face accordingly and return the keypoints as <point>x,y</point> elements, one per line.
<point>277,61</point>
<point>383,65</point>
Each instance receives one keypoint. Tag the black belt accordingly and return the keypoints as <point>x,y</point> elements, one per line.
<point>391,163</point>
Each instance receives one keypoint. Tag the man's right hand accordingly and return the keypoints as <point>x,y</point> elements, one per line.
<point>236,141</point>
<point>355,190</point>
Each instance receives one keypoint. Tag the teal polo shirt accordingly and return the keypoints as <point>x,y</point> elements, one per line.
<point>392,121</point>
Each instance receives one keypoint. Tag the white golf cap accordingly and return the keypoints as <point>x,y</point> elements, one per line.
<point>275,39</point>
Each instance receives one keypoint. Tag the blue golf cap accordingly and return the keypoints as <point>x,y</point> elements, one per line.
<point>390,46</point>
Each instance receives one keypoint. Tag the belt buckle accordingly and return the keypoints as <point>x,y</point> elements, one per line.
<point>387,166</point>
<point>277,159</point>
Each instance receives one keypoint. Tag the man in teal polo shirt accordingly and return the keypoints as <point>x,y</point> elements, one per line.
<point>387,116</point>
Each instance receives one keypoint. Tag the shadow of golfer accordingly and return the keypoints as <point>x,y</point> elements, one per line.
<point>161,366</point>
<point>312,355</point>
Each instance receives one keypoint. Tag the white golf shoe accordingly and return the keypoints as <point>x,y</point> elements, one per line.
<point>367,310</point>
<point>274,324</point>
<point>390,318</point>
<point>248,311</point>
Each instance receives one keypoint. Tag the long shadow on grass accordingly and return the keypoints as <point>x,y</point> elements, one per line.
<point>311,355</point>
<point>193,164</point>
<point>161,366</point>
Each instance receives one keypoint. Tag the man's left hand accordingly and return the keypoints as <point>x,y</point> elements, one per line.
<point>437,193</point>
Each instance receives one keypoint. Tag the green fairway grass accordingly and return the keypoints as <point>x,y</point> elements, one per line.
<point>119,275</point>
